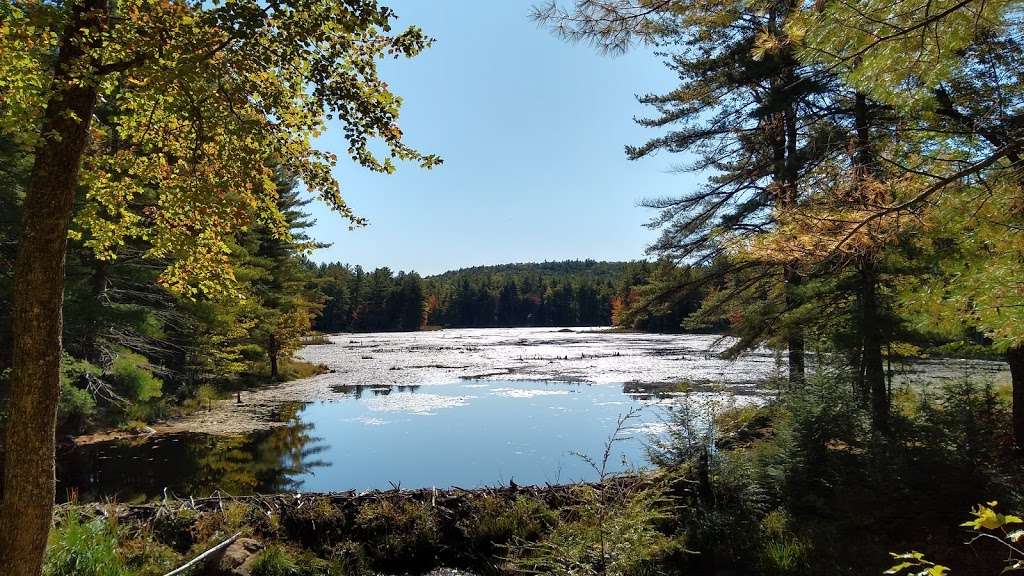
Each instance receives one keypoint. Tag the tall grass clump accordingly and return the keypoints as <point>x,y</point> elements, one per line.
<point>84,548</point>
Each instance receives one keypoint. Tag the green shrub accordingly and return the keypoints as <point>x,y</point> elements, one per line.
<point>782,551</point>
<point>964,420</point>
<point>134,381</point>
<point>84,548</point>
<point>609,532</point>
<point>318,525</point>
<point>76,407</point>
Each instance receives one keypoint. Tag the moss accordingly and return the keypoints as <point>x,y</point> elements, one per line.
<point>146,557</point>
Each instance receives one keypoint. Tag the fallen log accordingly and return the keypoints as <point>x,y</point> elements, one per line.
<point>203,557</point>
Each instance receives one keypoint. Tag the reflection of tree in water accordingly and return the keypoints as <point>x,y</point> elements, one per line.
<point>356,391</point>
<point>268,461</point>
<point>191,464</point>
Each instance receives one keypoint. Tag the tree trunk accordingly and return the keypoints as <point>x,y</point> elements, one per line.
<point>273,350</point>
<point>871,355</point>
<point>795,336</point>
<point>791,177</point>
<point>873,368</point>
<point>38,294</point>
<point>1015,356</point>
<point>784,176</point>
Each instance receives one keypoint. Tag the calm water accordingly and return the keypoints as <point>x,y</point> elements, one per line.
<point>467,434</point>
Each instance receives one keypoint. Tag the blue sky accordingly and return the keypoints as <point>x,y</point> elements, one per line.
<point>531,130</point>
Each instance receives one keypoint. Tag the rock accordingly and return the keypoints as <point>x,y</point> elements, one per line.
<point>235,560</point>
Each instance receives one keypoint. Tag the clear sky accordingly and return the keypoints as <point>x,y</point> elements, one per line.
<point>531,130</point>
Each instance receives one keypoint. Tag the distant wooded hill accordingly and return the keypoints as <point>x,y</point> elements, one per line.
<point>567,293</point>
<point>593,269</point>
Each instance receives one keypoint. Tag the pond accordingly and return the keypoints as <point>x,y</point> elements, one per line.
<point>466,434</point>
<point>462,408</point>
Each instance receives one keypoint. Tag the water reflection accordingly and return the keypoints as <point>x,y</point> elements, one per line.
<point>466,434</point>
<point>357,391</point>
<point>274,460</point>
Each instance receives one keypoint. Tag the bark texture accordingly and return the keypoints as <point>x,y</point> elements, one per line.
<point>28,479</point>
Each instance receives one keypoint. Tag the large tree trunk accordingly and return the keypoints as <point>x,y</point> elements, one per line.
<point>28,479</point>
<point>1015,356</point>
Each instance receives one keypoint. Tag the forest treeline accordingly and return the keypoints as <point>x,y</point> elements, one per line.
<point>569,293</point>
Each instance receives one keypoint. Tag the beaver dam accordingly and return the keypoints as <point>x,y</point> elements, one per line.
<point>443,532</point>
<point>451,408</point>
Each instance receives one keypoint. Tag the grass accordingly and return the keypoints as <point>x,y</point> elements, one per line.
<point>275,561</point>
<point>84,548</point>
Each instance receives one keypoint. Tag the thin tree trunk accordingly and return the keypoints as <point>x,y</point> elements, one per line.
<point>787,162</point>
<point>795,338</point>
<point>784,177</point>
<point>871,334</point>
<point>100,278</point>
<point>273,350</point>
<point>873,370</point>
<point>28,480</point>
<point>1015,356</point>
